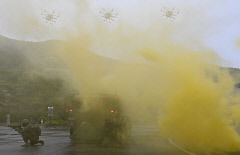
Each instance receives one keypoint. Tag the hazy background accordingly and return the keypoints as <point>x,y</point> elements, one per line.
<point>167,62</point>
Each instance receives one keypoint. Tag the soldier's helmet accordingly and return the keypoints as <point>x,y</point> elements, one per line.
<point>25,122</point>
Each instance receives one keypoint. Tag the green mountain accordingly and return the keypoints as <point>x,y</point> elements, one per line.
<point>31,80</point>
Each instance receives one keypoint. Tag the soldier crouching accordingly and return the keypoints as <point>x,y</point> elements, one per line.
<point>31,133</point>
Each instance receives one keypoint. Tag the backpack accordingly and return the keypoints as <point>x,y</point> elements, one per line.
<point>35,130</point>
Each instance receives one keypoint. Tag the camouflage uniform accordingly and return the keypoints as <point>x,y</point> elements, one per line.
<point>31,133</point>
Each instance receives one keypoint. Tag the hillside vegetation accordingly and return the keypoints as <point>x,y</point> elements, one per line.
<point>28,85</point>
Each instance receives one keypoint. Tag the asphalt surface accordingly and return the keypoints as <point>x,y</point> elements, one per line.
<point>57,142</point>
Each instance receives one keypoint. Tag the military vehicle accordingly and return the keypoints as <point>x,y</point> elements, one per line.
<point>101,121</point>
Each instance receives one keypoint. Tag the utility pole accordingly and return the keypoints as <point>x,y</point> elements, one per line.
<point>8,120</point>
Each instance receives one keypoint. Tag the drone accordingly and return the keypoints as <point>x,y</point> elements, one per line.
<point>49,17</point>
<point>169,13</point>
<point>108,15</point>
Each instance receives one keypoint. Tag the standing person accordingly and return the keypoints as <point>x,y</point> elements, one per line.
<point>31,133</point>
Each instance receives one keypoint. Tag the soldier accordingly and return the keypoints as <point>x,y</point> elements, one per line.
<point>31,133</point>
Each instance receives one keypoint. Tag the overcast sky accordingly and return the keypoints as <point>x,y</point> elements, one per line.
<point>214,23</point>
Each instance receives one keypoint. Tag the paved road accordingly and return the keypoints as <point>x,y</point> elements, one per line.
<point>57,142</point>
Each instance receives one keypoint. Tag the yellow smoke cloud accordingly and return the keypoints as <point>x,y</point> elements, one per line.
<point>182,89</point>
<point>158,80</point>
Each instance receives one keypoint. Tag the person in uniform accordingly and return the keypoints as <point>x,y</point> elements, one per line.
<point>31,133</point>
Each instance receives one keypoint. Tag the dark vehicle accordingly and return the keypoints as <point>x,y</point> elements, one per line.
<point>101,121</point>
